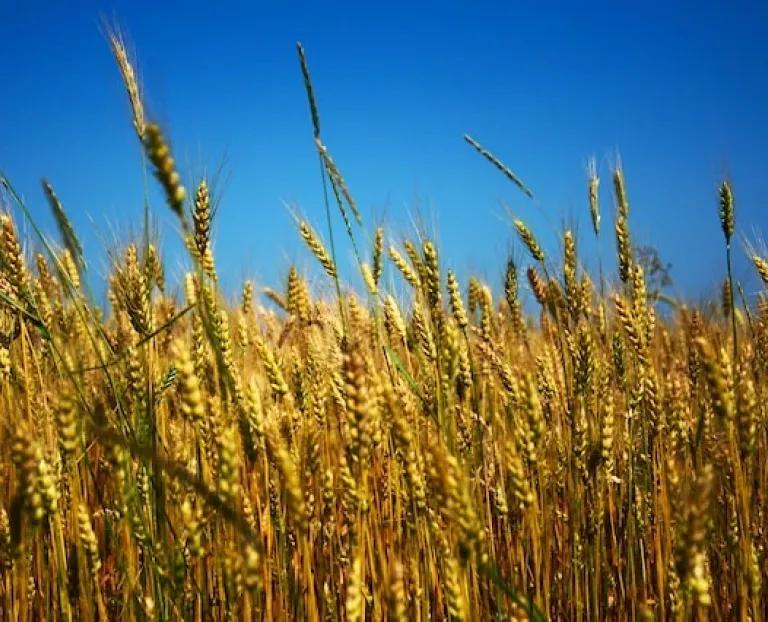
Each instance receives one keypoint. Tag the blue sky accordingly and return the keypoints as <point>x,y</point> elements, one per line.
<point>679,91</point>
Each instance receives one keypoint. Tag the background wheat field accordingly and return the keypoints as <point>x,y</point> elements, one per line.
<point>436,451</point>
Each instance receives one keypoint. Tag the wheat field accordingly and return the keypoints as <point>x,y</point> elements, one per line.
<point>443,454</point>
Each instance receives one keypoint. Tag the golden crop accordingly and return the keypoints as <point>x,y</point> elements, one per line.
<point>439,456</point>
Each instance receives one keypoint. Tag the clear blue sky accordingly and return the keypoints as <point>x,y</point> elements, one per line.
<point>679,89</point>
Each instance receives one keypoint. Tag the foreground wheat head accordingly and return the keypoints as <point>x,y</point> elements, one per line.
<point>447,454</point>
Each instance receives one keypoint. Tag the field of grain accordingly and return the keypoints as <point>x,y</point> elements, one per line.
<point>367,456</point>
